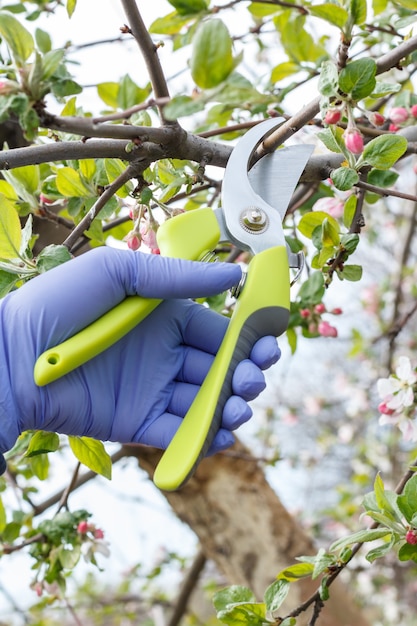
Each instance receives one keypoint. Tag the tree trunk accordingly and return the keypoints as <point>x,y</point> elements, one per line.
<point>244,528</point>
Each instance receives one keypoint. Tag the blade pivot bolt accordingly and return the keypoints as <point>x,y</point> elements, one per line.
<point>254,220</point>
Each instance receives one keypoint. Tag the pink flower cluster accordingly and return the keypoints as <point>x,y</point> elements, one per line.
<point>84,528</point>
<point>144,230</point>
<point>332,205</point>
<point>314,322</point>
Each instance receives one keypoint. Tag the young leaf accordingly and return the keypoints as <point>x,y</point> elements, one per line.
<point>276,594</point>
<point>408,552</point>
<point>42,442</point>
<point>350,272</point>
<point>69,183</point>
<point>312,290</point>
<point>330,12</point>
<point>253,614</point>
<point>19,40</point>
<point>71,4</point>
<point>10,235</point>
<point>349,210</point>
<point>92,454</point>
<point>361,536</point>
<point>7,282</point>
<point>232,595</point>
<point>188,7</point>
<point>407,501</point>
<point>383,151</point>
<point>344,178</point>
<point>330,234</point>
<point>310,221</point>
<point>328,81</point>
<point>357,78</point>
<point>294,572</point>
<point>211,58</point>
<point>358,11</point>
<point>3,520</point>
<point>51,256</point>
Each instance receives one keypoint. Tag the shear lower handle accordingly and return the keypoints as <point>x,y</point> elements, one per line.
<point>262,309</point>
<point>92,340</point>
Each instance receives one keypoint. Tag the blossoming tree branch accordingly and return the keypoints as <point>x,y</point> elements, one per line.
<point>75,178</point>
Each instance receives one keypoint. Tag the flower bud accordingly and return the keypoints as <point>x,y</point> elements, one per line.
<point>384,409</point>
<point>320,308</point>
<point>413,110</point>
<point>332,116</point>
<point>411,537</point>
<point>133,240</point>
<point>398,115</point>
<point>331,205</point>
<point>83,527</point>
<point>98,534</point>
<point>376,118</point>
<point>305,313</point>
<point>353,140</point>
<point>337,311</point>
<point>326,330</point>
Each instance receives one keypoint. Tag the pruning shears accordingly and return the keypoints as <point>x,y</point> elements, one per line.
<point>254,204</point>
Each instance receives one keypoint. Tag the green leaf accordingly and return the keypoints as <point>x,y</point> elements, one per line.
<point>332,13</point>
<point>51,256</point>
<point>69,557</point>
<point>188,7</point>
<point>312,290</point>
<point>3,520</point>
<point>383,151</point>
<point>245,614</point>
<point>380,551</point>
<point>350,272</point>
<point>384,89</point>
<point>108,93</point>
<point>51,61</point>
<point>92,454</point>
<point>69,183</point>
<point>19,40</point>
<point>311,220</point>
<point>28,176</point>
<point>329,79</point>
<point>357,78</point>
<point>349,210</point>
<point>283,70</point>
<point>330,233</point>
<point>40,466</point>
<point>115,168</point>
<point>332,138</point>
<point>322,563</point>
<point>349,242</point>
<point>358,11</point>
<point>407,501</point>
<point>362,536</point>
<point>10,235</point>
<point>276,594</point>
<point>170,24</point>
<point>408,552</point>
<point>7,282</point>
<point>211,58</point>
<point>43,40</point>
<point>232,595</point>
<point>42,442</point>
<point>344,178</point>
<point>71,4</point>
<point>129,93</point>
<point>297,571</point>
<point>183,106</point>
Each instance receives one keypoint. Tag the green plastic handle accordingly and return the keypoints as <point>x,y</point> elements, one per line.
<point>187,236</point>
<point>261,309</point>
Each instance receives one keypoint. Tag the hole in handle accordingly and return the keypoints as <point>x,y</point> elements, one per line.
<point>53,359</point>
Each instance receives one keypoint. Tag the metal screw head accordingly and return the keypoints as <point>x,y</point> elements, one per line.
<point>254,219</point>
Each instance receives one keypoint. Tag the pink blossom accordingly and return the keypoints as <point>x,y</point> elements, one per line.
<point>305,313</point>
<point>332,116</point>
<point>133,240</point>
<point>376,118</point>
<point>393,128</point>
<point>83,527</point>
<point>148,234</point>
<point>337,311</point>
<point>384,409</point>
<point>320,308</point>
<point>326,330</point>
<point>413,110</point>
<point>398,115</point>
<point>98,533</point>
<point>353,140</point>
<point>331,205</point>
<point>411,537</point>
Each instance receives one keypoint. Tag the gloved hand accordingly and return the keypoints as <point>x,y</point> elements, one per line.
<point>139,389</point>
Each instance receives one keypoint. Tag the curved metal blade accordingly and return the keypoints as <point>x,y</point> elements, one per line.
<point>267,188</point>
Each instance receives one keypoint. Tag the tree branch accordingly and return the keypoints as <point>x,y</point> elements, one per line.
<point>148,49</point>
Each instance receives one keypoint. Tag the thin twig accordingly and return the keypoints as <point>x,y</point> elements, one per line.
<point>188,585</point>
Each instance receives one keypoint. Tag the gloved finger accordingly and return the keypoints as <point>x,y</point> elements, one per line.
<point>265,352</point>
<point>74,294</point>
<point>161,432</point>
<point>248,380</point>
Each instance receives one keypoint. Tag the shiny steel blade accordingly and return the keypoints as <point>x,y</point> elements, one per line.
<point>275,176</point>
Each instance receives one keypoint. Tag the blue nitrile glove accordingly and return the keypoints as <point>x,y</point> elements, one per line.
<point>139,389</point>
